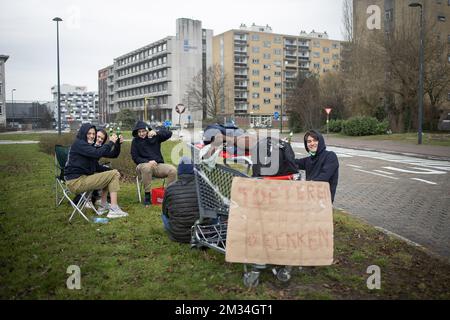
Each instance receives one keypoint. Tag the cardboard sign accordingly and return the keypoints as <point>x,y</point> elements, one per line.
<point>280,222</point>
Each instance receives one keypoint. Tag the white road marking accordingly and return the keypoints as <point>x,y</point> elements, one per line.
<point>381,171</point>
<point>354,166</point>
<point>426,181</point>
<point>417,171</point>
<point>377,174</point>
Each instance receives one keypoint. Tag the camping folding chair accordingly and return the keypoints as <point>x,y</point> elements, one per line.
<point>61,190</point>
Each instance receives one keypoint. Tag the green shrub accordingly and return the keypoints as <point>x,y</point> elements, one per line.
<point>47,142</point>
<point>382,127</point>
<point>361,126</point>
<point>335,125</point>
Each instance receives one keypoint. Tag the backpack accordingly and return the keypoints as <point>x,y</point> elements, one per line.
<point>286,157</point>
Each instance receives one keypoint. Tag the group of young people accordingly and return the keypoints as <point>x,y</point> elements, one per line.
<point>180,208</point>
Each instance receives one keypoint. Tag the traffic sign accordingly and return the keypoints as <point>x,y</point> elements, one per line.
<point>180,108</point>
<point>328,110</point>
<point>276,115</point>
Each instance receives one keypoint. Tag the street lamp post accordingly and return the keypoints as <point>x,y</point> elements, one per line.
<point>12,103</point>
<point>57,61</point>
<point>421,58</point>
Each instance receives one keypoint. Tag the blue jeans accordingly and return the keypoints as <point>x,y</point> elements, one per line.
<point>165,220</point>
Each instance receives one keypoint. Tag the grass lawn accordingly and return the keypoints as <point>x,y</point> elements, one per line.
<point>132,258</point>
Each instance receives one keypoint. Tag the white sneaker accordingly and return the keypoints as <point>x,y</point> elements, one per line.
<point>101,210</point>
<point>116,213</point>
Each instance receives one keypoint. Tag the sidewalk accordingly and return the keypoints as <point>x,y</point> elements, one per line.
<point>387,146</point>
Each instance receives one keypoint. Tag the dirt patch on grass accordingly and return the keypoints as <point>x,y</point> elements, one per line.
<point>406,272</point>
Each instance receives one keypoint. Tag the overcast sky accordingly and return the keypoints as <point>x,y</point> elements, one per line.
<point>94,32</point>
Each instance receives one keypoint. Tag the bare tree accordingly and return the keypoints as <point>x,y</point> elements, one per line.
<point>207,92</point>
<point>347,20</point>
<point>303,102</point>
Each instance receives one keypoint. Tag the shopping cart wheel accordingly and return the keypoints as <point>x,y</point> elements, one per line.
<point>284,274</point>
<point>251,279</point>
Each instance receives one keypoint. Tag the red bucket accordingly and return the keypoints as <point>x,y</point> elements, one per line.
<point>157,195</point>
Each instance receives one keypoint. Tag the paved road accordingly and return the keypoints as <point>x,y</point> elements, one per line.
<point>406,195</point>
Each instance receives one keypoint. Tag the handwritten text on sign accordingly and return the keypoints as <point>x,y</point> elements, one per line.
<point>280,222</point>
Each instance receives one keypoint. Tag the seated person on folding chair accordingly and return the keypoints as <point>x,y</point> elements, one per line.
<point>146,154</point>
<point>180,204</point>
<point>83,173</point>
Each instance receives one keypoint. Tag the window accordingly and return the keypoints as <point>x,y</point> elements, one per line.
<point>277,95</point>
<point>316,44</point>
<point>255,72</point>
<point>277,52</point>
<point>277,63</point>
<point>278,39</point>
<point>266,101</point>
<point>255,106</point>
<point>266,78</point>
<point>267,66</point>
<point>266,55</point>
<point>326,60</point>
<point>335,45</point>
<point>255,95</point>
<point>441,18</point>
<point>316,54</point>
<point>335,56</point>
<point>267,44</point>
<point>255,37</point>
<point>255,49</point>
<point>326,49</point>
<point>255,61</point>
<point>266,89</point>
<point>277,84</point>
<point>255,84</point>
<point>277,73</point>
<point>317,65</point>
<point>1,109</point>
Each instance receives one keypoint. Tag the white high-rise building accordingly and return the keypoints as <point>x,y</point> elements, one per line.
<point>3,59</point>
<point>77,104</point>
<point>156,76</point>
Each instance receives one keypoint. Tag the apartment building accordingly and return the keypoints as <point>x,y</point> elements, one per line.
<point>105,86</point>
<point>77,104</point>
<point>153,79</point>
<point>260,66</point>
<point>3,59</point>
<point>397,16</point>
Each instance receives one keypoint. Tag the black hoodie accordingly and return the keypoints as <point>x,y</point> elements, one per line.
<point>323,166</point>
<point>147,149</point>
<point>83,157</point>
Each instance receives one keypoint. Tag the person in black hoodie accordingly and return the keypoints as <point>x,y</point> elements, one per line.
<point>146,153</point>
<point>180,204</point>
<point>82,171</point>
<point>321,165</point>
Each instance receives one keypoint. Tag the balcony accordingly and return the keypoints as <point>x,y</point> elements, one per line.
<point>290,43</point>
<point>241,107</point>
